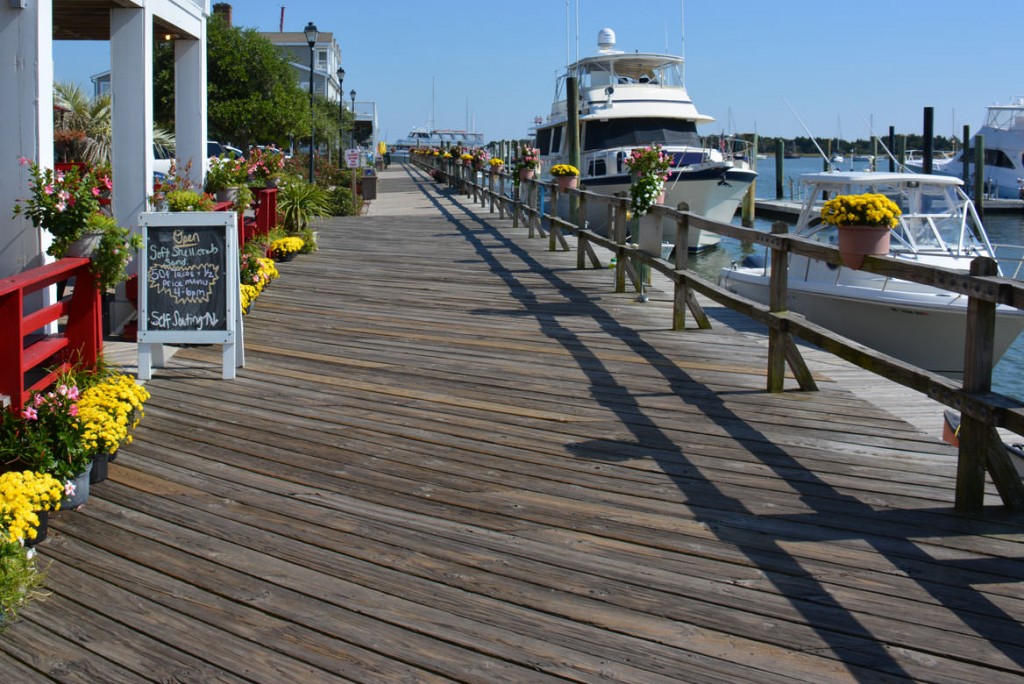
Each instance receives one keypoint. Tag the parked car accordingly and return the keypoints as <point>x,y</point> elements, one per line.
<point>162,158</point>
<point>216,149</point>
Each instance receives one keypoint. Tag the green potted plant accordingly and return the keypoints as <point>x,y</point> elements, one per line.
<point>264,166</point>
<point>527,162</point>
<point>26,497</point>
<point>188,200</point>
<point>116,248</point>
<point>61,203</point>
<point>864,223</point>
<point>46,437</point>
<point>649,168</point>
<point>299,202</point>
<point>224,177</point>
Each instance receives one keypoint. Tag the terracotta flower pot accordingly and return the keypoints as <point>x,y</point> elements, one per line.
<point>856,242</point>
<point>525,174</point>
<point>566,182</point>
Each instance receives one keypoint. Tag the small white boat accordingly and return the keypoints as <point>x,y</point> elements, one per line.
<point>1003,133</point>
<point>919,324</point>
<point>634,100</point>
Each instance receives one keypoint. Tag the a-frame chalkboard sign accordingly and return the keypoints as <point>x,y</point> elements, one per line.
<point>188,286</point>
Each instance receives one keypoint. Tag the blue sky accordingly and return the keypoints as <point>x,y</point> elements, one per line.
<point>491,65</point>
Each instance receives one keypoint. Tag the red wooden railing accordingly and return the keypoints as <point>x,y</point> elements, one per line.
<point>25,350</point>
<point>265,209</point>
<point>265,203</point>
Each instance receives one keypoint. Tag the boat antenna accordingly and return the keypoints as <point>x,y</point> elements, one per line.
<point>808,132</point>
<point>567,36</point>
<point>577,30</point>
<point>682,40</point>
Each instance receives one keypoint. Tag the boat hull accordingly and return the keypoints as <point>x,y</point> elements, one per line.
<point>713,191</point>
<point>909,325</point>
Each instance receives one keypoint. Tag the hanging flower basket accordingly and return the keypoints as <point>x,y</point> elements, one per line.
<point>525,174</point>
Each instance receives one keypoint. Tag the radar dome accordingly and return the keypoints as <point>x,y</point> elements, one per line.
<point>606,39</point>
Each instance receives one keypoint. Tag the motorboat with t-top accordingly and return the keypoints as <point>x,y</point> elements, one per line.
<point>636,100</point>
<point>919,324</point>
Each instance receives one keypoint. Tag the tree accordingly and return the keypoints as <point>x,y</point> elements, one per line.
<point>252,96</point>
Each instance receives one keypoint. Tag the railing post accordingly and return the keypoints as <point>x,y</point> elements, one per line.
<point>501,195</point>
<point>12,371</point>
<point>980,444</point>
<point>619,234</point>
<point>777,301</point>
<point>553,226</point>
<point>581,225</point>
<point>517,201</point>
<point>682,258</point>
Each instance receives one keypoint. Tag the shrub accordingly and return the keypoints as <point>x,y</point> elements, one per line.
<point>342,203</point>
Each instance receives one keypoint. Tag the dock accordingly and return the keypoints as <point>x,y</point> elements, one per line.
<point>451,456</point>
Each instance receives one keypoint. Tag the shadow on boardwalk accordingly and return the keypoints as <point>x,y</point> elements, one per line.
<point>453,457</point>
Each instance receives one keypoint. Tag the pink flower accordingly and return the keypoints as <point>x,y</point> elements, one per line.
<point>23,160</point>
<point>73,393</point>
<point>48,189</point>
<point>29,413</point>
<point>73,410</point>
<point>107,183</point>
<point>95,192</point>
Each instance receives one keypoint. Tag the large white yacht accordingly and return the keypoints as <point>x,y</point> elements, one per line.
<point>916,323</point>
<point>1003,133</point>
<point>634,100</point>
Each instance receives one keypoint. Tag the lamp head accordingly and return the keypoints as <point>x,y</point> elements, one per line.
<point>311,33</point>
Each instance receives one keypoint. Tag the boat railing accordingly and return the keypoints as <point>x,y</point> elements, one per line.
<point>1011,260</point>
<point>535,203</point>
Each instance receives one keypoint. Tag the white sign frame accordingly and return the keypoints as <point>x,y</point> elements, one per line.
<point>150,342</point>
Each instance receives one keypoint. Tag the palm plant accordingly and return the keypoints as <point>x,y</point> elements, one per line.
<point>83,125</point>
<point>298,202</point>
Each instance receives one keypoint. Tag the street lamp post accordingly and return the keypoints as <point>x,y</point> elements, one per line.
<point>341,117</point>
<point>311,35</point>
<point>352,138</point>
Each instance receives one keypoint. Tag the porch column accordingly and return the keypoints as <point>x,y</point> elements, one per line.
<point>131,86</point>
<point>26,108</point>
<point>190,105</point>
<point>131,121</point>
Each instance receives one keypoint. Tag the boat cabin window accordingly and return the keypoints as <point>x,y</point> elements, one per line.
<point>597,167</point>
<point>549,140</point>
<point>637,132</point>
<point>995,158</point>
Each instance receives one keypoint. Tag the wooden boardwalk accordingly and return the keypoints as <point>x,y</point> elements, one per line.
<point>451,456</point>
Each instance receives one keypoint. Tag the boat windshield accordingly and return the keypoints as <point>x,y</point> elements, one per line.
<point>640,131</point>
<point>627,69</point>
<point>935,218</point>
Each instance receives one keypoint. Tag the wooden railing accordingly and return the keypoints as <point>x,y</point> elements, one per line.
<point>30,357</point>
<point>982,411</point>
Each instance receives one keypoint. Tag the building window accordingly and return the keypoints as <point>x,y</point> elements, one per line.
<point>321,59</point>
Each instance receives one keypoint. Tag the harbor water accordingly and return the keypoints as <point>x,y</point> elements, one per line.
<point>1002,228</point>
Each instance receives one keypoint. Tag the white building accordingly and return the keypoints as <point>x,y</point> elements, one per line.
<point>326,61</point>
